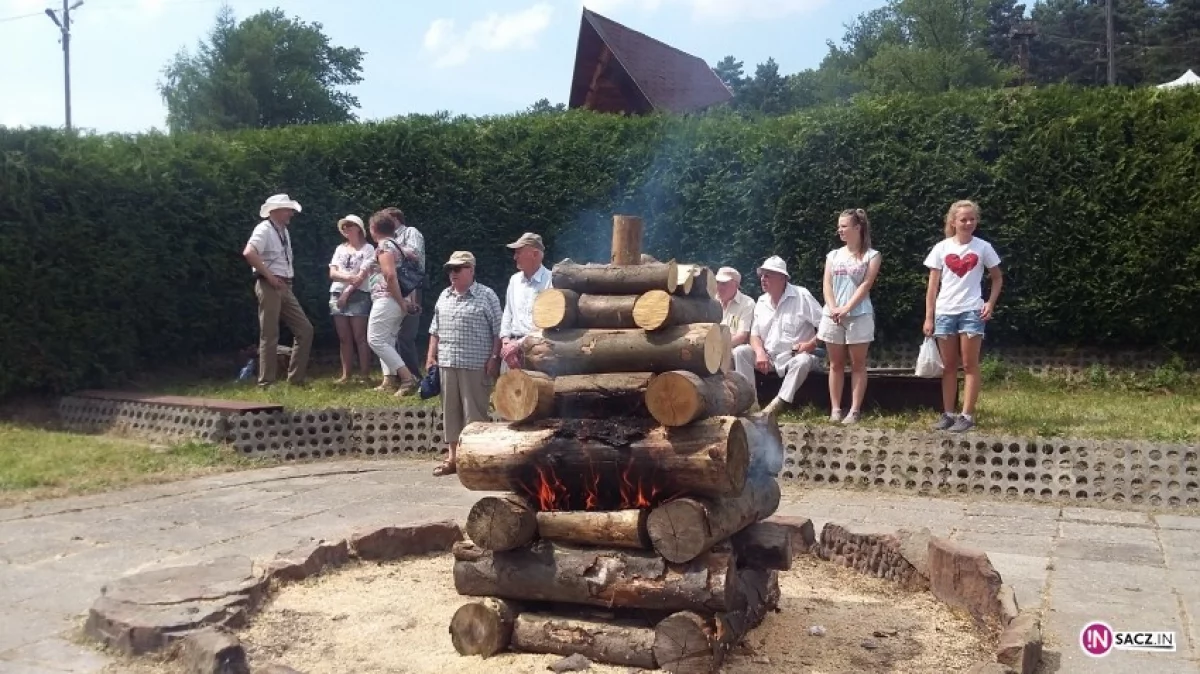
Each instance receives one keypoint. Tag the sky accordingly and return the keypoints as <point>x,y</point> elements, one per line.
<point>472,57</point>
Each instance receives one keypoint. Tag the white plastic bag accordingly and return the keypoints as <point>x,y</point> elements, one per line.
<point>929,360</point>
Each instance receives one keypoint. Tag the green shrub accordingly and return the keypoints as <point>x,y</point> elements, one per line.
<point>122,252</point>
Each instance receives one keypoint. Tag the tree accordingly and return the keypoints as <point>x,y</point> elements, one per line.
<point>266,71</point>
<point>543,106</point>
<point>731,72</point>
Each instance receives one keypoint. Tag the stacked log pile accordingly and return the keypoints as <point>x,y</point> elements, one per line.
<point>629,527</point>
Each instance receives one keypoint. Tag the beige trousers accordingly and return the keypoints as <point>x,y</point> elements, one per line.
<point>466,396</point>
<point>274,305</point>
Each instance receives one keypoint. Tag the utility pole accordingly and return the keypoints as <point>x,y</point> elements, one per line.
<point>1112,60</point>
<point>64,27</point>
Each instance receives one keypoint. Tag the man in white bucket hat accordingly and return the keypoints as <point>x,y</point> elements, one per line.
<point>269,252</point>
<point>783,333</point>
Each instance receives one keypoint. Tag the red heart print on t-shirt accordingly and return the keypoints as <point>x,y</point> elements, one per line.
<point>962,265</point>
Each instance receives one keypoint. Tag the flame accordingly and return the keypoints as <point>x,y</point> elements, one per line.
<point>588,491</point>
<point>591,494</point>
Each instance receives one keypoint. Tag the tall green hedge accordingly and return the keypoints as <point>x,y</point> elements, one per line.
<point>124,252</point>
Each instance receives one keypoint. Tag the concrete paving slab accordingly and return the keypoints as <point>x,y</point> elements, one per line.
<point>1022,510</point>
<point>1036,546</point>
<point>1178,522</point>
<point>995,524</point>
<point>1026,574</point>
<point>58,655</point>
<point>1102,516</point>
<point>1094,584</point>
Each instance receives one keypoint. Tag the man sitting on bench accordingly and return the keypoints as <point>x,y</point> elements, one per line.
<point>783,335</point>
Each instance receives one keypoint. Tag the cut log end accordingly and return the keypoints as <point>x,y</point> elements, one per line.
<point>674,399</point>
<point>683,643</point>
<point>522,395</point>
<point>652,310</point>
<point>714,349</point>
<point>482,628</point>
<point>554,308</point>
<point>501,522</point>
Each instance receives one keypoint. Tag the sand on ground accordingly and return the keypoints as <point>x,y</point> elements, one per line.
<point>394,618</point>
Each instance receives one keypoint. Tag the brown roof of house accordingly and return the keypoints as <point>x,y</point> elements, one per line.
<point>670,79</point>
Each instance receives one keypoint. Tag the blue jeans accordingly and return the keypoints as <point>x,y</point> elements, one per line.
<point>968,322</point>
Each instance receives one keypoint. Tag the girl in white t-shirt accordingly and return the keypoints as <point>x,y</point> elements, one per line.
<point>955,312</point>
<point>848,320</point>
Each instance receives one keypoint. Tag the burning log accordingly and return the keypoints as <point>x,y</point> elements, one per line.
<point>659,309</point>
<point>576,464</point>
<point>607,279</point>
<point>502,522</point>
<point>545,571</point>
<point>685,528</point>
<point>627,240</point>
<point>525,395</point>
<point>689,643</point>
<point>681,397</point>
<point>556,309</point>
<point>613,528</point>
<point>697,347</point>
<point>764,545</point>
<point>483,628</point>
<point>624,643</point>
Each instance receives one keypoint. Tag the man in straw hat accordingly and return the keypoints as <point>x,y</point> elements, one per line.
<point>269,252</point>
<point>531,278</point>
<point>783,334</point>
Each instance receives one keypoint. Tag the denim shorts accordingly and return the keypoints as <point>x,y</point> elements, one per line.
<point>358,305</point>
<point>968,322</point>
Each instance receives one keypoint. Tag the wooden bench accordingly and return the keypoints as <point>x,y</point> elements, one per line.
<point>888,390</point>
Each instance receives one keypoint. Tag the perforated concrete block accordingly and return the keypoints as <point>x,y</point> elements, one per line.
<point>412,430</point>
<point>305,434</point>
<point>147,420</point>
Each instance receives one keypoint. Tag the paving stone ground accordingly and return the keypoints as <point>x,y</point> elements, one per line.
<point>1136,571</point>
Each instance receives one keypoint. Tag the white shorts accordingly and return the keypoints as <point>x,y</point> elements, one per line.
<point>852,330</point>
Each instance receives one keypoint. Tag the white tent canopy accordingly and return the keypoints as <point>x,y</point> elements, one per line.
<point>1188,78</point>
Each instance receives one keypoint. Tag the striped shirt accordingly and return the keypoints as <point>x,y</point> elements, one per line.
<point>466,326</point>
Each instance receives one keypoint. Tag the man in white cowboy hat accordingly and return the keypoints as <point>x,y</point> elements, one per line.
<point>737,309</point>
<point>783,334</point>
<point>269,252</point>
<point>531,278</point>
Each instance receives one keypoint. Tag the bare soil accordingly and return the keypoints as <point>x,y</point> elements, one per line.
<point>393,618</point>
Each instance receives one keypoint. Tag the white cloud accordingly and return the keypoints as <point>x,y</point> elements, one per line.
<point>714,10</point>
<point>495,33</point>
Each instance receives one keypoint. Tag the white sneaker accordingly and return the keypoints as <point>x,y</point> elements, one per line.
<point>835,417</point>
<point>851,418</point>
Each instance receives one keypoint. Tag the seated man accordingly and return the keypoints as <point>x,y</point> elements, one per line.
<point>737,309</point>
<point>783,335</point>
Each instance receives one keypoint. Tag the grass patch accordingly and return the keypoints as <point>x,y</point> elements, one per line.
<point>319,392</point>
<point>1161,406</point>
<point>37,463</point>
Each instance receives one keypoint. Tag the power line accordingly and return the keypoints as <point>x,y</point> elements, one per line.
<point>19,17</point>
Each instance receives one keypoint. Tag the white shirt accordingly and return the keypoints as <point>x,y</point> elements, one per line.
<point>347,259</point>
<point>275,248</point>
<point>739,314</point>
<point>780,327</point>
<point>518,302</point>
<point>962,268</point>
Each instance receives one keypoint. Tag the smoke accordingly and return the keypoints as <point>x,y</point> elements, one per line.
<point>766,446</point>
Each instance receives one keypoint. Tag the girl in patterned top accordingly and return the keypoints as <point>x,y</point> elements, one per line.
<point>848,321</point>
<point>349,301</point>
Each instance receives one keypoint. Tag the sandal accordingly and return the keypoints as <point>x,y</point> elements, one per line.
<point>407,388</point>
<point>446,467</point>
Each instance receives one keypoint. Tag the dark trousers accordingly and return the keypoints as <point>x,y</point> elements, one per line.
<point>406,343</point>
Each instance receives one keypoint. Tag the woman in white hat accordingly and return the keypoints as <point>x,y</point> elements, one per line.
<point>349,301</point>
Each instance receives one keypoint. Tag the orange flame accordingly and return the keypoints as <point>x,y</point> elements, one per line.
<point>585,492</point>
